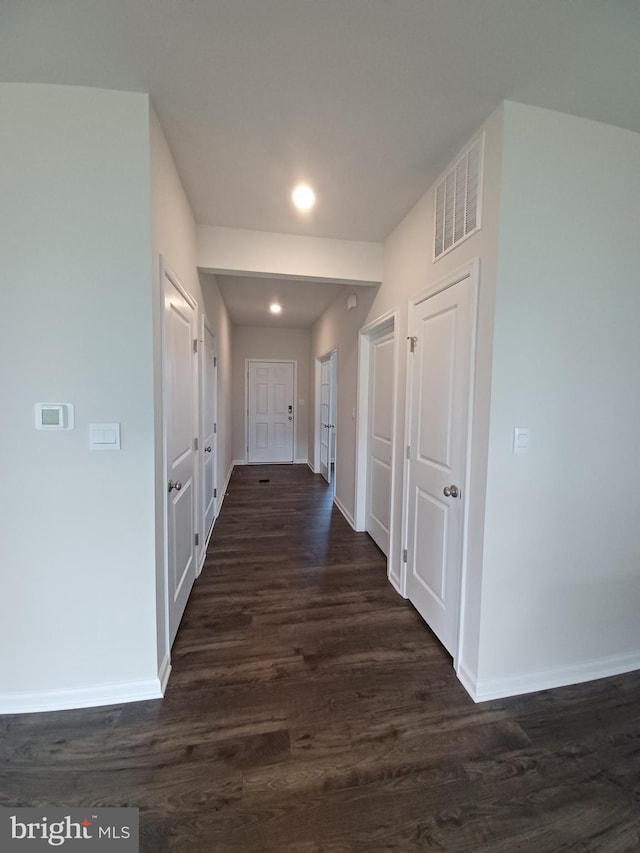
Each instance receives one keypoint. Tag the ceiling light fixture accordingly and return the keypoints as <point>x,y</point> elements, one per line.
<point>275,308</point>
<point>303,197</point>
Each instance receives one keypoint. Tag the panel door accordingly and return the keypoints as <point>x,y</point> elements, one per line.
<point>209,432</point>
<point>325,419</point>
<point>270,418</point>
<point>181,419</point>
<point>440,368</point>
<point>379,449</point>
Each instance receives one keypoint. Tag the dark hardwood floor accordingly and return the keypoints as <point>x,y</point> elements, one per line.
<point>310,709</point>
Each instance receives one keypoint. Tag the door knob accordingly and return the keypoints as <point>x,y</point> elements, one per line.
<point>207,450</point>
<point>451,491</point>
<point>175,484</point>
<point>290,417</point>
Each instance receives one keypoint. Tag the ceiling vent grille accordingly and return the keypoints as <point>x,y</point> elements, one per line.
<point>458,200</point>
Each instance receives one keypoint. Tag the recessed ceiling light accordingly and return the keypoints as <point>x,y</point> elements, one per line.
<point>275,308</point>
<point>303,197</point>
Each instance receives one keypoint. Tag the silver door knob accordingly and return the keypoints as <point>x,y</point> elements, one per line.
<point>451,491</point>
<point>290,417</point>
<point>175,484</point>
<point>207,450</point>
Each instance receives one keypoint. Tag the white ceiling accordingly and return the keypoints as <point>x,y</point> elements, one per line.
<point>248,299</point>
<point>365,99</point>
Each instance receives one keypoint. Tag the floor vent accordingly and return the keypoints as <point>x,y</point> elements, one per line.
<point>458,200</point>
<point>264,481</point>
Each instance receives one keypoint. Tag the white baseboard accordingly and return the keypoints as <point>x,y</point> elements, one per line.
<point>209,535</point>
<point>294,462</point>
<point>225,487</point>
<point>202,557</point>
<point>467,680</point>
<point>344,511</point>
<point>164,673</point>
<point>395,582</point>
<point>219,502</point>
<point>313,470</point>
<point>81,697</point>
<point>501,688</point>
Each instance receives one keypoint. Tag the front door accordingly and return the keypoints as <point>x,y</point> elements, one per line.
<point>379,443</point>
<point>441,334</point>
<point>270,418</point>
<point>180,383</point>
<point>210,429</point>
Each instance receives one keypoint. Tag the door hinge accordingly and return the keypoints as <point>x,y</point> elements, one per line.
<point>195,345</point>
<point>408,451</point>
<point>215,493</point>
<point>215,361</point>
<point>412,342</point>
<point>404,556</point>
<point>195,443</point>
<point>197,538</point>
<point>215,428</point>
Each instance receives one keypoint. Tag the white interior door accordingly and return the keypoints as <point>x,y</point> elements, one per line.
<point>210,430</point>
<point>325,419</point>
<point>379,440</point>
<point>180,384</point>
<point>440,369</point>
<point>270,415</point>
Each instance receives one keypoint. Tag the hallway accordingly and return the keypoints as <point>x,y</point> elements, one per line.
<point>310,709</point>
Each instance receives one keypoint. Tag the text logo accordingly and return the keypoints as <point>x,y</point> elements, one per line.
<point>105,829</point>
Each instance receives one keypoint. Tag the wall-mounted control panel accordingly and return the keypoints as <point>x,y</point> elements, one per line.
<point>54,416</point>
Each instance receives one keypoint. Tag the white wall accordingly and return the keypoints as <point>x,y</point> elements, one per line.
<point>174,233</point>
<point>409,270</point>
<point>174,237</point>
<point>262,342</point>
<point>232,250</point>
<point>561,582</point>
<point>338,329</point>
<point>552,588</point>
<point>77,607</point>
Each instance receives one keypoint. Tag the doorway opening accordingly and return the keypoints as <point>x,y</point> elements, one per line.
<point>326,411</point>
<point>376,438</point>
<point>440,378</point>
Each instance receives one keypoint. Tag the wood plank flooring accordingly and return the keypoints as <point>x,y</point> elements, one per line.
<point>310,709</point>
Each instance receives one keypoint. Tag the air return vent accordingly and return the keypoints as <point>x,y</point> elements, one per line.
<point>458,200</point>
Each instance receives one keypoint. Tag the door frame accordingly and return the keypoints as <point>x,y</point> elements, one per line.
<point>469,270</point>
<point>167,272</point>
<point>382,325</point>
<point>294,362</point>
<point>327,356</point>
<point>206,534</point>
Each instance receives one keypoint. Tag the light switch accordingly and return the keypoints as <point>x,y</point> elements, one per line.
<point>521,440</point>
<point>104,436</point>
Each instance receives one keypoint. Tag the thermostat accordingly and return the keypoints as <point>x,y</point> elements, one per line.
<point>54,416</point>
